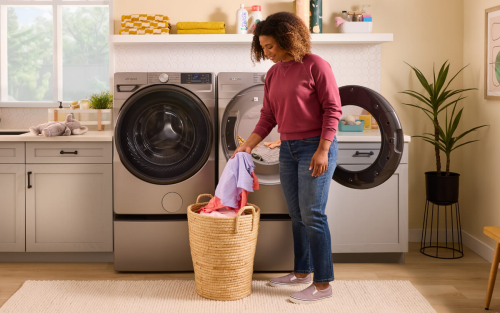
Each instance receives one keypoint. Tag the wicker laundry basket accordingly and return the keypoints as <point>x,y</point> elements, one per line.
<point>223,250</point>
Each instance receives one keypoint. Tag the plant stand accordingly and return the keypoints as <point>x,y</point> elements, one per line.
<point>429,243</point>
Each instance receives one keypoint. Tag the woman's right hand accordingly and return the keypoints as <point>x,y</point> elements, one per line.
<point>248,145</point>
<point>243,148</point>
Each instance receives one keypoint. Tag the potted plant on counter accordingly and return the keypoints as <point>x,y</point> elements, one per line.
<point>441,188</point>
<point>99,102</point>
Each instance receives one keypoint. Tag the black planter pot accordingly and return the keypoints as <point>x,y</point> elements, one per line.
<point>442,189</point>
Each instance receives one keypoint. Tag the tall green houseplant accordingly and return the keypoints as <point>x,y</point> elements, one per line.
<point>433,104</point>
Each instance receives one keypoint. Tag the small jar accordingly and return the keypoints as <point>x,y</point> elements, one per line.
<point>84,105</point>
<point>358,17</point>
<point>345,16</point>
<point>350,16</point>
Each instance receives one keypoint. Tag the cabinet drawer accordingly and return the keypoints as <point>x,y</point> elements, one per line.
<point>68,152</point>
<point>363,153</point>
<point>11,152</point>
<point>358,156</point>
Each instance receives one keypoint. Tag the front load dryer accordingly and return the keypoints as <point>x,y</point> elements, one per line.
<point>240,99</point>
<point>164,157</point>
<point>240,96</point>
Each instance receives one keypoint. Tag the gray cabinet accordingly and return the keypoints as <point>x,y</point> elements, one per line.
<point>69,208</point>
<point>370,220</point>
<point>12,198</point>
<point>12,178</point>
<point>59,200</point>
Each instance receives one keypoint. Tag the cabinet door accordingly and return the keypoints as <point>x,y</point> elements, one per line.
<point>69,208</point>
<point>12,207</point>
<point>369,220</point>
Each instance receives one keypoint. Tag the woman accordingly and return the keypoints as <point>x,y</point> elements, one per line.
<point>301,97</point>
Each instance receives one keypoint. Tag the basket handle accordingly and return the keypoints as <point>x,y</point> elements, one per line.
<point>239,214</point>
<point>203,195</point>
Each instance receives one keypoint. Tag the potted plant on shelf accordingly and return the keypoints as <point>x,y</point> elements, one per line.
<point>441,188</point>
<point>101,101</point>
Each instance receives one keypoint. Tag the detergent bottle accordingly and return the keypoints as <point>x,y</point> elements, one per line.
<point>254,18</point>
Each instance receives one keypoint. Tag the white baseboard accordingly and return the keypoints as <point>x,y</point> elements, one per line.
<point>471,242</point>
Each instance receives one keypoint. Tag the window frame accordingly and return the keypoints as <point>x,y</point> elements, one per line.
<point>57,6</point>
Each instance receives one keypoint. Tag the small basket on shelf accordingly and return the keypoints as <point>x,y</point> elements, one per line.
<point>352,128</point>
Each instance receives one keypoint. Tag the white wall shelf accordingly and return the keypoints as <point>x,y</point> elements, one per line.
<point>354,38</point>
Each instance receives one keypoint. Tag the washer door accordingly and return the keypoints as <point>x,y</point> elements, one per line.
<point>239,119</point>
<point>163,134</point>
<point>392,142</point>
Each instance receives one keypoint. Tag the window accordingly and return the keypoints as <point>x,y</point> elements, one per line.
<point>53,50</point>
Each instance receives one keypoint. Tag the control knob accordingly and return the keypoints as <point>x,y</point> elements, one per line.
<point>163,78</point>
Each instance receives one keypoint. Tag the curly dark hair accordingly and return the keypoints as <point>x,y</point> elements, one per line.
<point>289,31</point>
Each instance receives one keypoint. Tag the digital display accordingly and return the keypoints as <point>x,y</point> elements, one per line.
<point>196,78</point>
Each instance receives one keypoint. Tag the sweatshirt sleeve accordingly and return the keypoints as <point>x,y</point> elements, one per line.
<point>328,96</point>
<point>267,119</point>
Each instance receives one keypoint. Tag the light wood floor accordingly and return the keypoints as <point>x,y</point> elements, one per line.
<point>457,286</point>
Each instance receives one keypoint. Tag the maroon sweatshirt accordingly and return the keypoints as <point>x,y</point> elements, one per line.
<point>302,98</point>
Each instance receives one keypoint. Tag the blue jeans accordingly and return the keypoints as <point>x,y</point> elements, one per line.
<point>306,198</point>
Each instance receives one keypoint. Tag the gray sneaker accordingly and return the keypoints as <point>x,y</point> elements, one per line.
<point>311,295</point>
<point>290,279</point>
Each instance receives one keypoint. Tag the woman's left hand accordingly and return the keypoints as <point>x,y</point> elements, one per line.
<point>319,163</point>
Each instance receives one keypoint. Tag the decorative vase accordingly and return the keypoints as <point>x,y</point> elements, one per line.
<point>316,16</point>
<point>442,189</point>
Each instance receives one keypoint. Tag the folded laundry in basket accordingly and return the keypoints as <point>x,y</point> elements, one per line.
<point>201,31</point>
<point>201,25</point>
<point>236,181</point>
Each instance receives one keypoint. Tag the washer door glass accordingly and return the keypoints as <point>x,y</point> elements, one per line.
<point>163,134</point>
<point>238,122</point>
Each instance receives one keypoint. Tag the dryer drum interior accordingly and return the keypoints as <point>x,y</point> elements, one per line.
<point>163,134</point>
<point>392,142</point>
<point>239,119</point>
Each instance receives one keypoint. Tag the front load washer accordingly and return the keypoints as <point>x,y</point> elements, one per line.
<point>164,157</point>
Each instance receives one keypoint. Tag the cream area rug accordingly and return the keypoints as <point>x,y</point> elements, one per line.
<point>70,296</point>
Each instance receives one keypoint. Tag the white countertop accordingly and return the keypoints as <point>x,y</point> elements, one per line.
<point>372,135</point>
<point>365,136</point>
<point>106,135</point>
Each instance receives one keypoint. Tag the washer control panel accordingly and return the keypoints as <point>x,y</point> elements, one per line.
<point>162,78</point>
<point>196,78</point>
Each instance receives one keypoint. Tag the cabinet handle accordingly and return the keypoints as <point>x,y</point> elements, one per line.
<point>364,153</point>
<point>64,152</point>
<point>29,180</point>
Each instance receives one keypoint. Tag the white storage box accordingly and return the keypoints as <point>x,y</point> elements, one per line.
<point>94,119</point>
<point>356,27</point>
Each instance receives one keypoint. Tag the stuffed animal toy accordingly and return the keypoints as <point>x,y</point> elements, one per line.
<point>69,127</point>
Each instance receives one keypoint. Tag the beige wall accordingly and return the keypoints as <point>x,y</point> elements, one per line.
<point>479,181</point>
<point>425,31</point>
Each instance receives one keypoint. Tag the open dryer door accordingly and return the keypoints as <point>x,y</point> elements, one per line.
<point>392,139</point>
<point>243,112</point>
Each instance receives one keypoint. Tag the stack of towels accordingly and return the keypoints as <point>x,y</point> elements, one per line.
<point>201,28</point>
<point>145,24</point>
